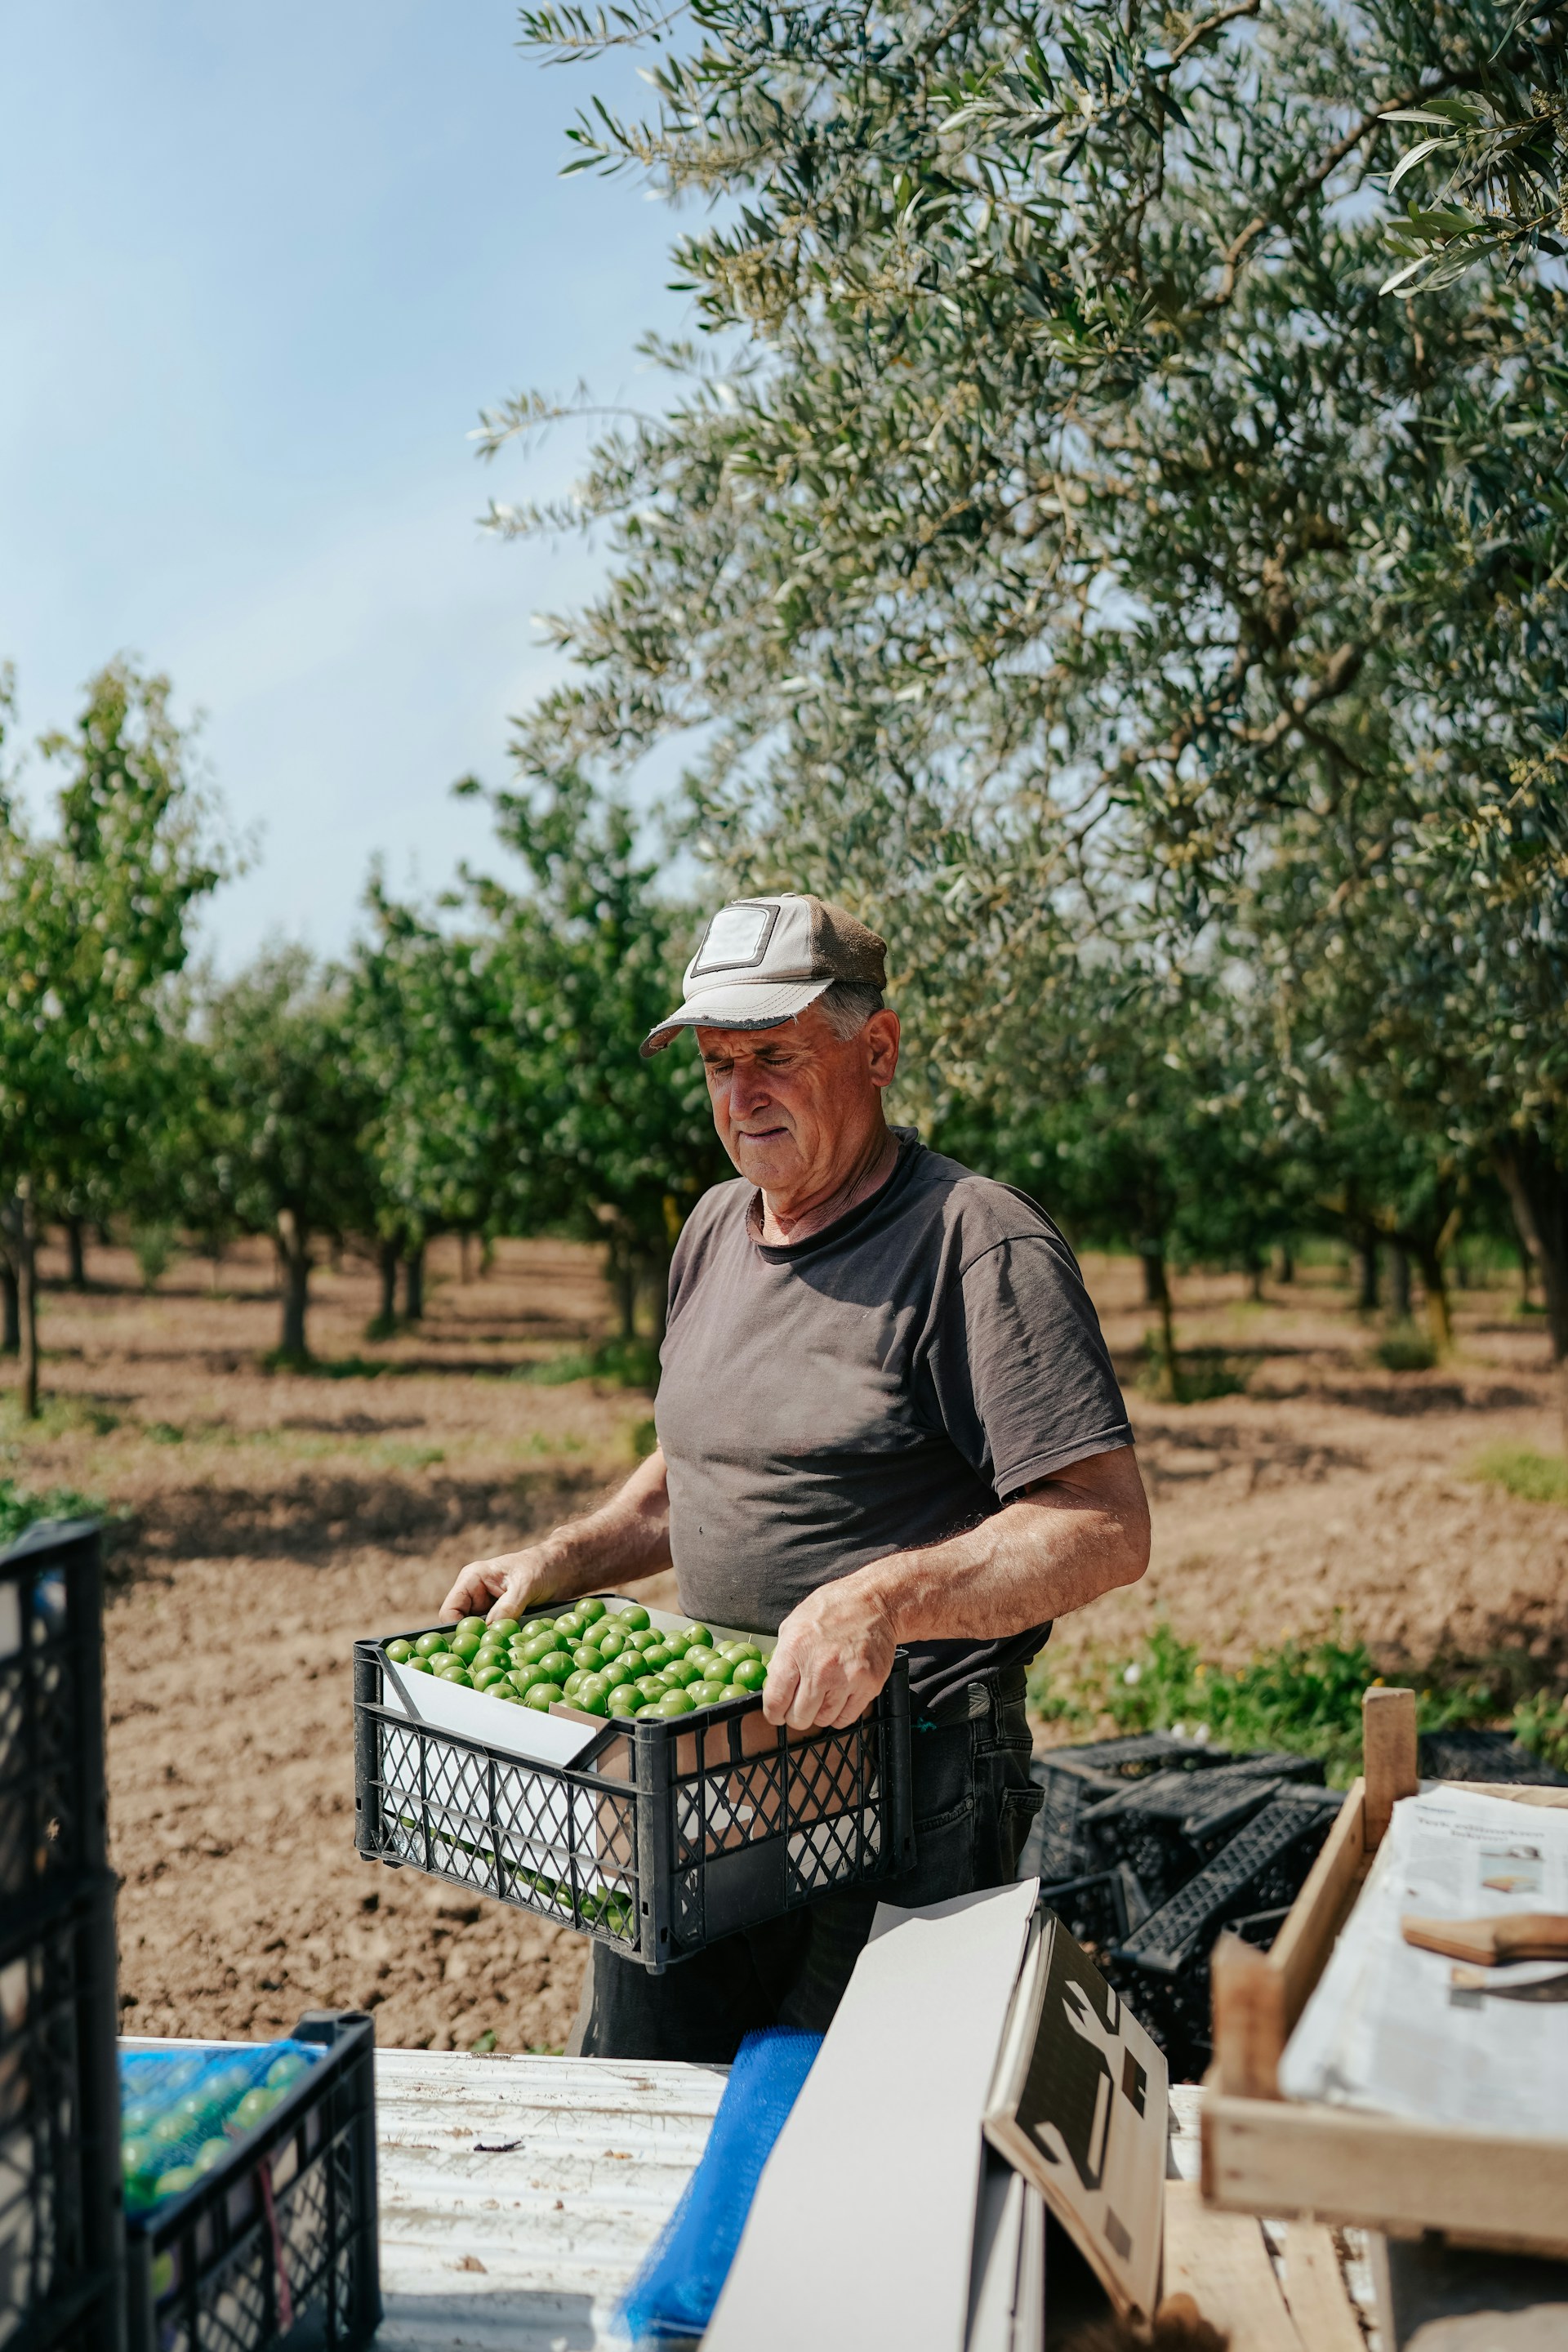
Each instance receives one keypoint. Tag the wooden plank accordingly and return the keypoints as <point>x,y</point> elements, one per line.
<point>1265,2156</point>
<point>1315,2291</point>
<point>1220,2260</point>
<point>1248,2019</point>
<point>1517,1792</point>
<point>1433,2297</point>
<point>519,2195</point>
<point>1388,1757</point>
<point>1305,1941</point>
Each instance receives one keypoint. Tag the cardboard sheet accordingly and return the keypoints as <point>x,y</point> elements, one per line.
<point>863,2226</point>
<point>1007,2289</point>
<point>1079,2106</point>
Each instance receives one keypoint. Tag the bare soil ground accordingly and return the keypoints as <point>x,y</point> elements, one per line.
<point>273,1518</point>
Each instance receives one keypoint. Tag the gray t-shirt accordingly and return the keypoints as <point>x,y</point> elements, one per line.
<point>893,1379</point>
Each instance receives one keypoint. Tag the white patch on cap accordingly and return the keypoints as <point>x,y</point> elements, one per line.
<point>737,936</point>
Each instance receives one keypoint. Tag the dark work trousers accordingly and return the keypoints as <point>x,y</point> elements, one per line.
<point>973,1803</point>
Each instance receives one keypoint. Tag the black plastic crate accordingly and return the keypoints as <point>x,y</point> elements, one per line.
<point>1137,1754</point>
<point>1093,1909</point>
<point>60,2276</point>
<point>1483,1756</point>
<point>663,1837</point>
<point>1055,1848</point>
<point>1161,1969</point>
<point>278,2247</point>
<point>1075,1779</point>
<point>1170,1827</point>
<point>1263,1865</point>
<point>52,1808</point>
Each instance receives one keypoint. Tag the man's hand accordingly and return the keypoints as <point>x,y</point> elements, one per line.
<point>514,1581</point>
<point>834,1654</point>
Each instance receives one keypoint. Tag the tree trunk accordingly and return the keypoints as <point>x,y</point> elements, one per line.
<point>10,1310</point>
<point>653,1281</point>
<point>387,1257</point>
<point>1157,1290</point>
<point>1255,1282</point>
<point>294,1265</point>
<point>1439,1323</point>
<point>1537,1190</point>
<point>1366,1258</point>
<point>1287,1262</point>
<point>464,1275</point>
<point>414,1284</point>
<point>621,1273</point>
<point>76,1244</point>
<point>1399,1285</point>
<point>27,1295</point>
<point>487,1255</point>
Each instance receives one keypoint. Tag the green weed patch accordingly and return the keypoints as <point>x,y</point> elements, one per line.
<point>622,1364</point>
<point>20,1508</point>
<point>1196,1374</point>
<point>1304,1697</point>
<point>1533,1476</point>
<point>1405,1349</point>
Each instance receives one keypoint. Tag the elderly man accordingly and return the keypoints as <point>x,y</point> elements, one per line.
<point>886,1416</point>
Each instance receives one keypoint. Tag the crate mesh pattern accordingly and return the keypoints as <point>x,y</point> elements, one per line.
<point>1149,1846</point>
<point>51,1710</point>
<point>59,2141</point>
<point>698,1839</point>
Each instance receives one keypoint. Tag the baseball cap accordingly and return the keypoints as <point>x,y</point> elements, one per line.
<point>761,960</point>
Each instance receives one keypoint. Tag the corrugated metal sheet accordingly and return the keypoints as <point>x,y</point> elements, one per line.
<point>519,2195</point>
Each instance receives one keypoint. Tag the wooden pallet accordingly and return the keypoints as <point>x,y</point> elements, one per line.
<point>1264,2155</point>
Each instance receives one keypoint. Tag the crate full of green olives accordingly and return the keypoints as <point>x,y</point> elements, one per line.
<point>249,2184</point>
<point>611,1765</point>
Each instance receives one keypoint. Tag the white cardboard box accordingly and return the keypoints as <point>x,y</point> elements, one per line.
<point>862,2229</point>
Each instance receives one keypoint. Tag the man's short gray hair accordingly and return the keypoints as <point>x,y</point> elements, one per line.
<point>847,1005</point>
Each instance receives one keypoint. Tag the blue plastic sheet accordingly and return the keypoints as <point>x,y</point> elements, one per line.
<point>675,2289</point>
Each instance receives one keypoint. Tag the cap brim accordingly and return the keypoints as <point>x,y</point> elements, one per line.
<point>744,1004</point>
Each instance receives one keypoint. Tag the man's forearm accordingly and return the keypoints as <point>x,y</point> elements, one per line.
<point>1047,1554</point>
<point>1077,1534</point>
<point>624,1539</point>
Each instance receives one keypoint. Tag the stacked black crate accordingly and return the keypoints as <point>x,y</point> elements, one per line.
<point>1147,1847</point>
<point>61,2242</point>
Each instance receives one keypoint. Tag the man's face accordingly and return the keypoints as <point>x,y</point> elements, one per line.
<point>795,1107</point>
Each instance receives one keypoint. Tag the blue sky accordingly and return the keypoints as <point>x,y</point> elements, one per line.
<point>259,269</point>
